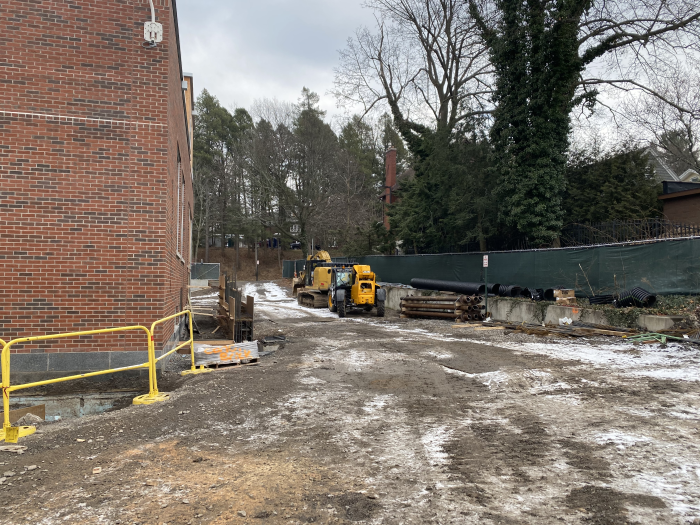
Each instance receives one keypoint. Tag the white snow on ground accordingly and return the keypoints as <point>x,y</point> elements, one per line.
<point>487,378</point>
<point>619,438</point>
<point>377,404</point>
<point>676,361</point>
<point>274,301</point>
<point>433,441</point>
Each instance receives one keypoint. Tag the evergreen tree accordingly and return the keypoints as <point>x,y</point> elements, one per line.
<point>615,186</point>
<point>447,204</point>
<point>534,50</point>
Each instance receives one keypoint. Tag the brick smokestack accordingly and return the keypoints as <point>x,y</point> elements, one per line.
<point>390,168</point>
<point>389,182</point>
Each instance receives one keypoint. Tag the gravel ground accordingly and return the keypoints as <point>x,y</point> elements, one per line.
<point>383,421</point>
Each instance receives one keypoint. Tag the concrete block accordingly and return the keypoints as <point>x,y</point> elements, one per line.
<point>654,323</point>
<point>122,359</point>
<point>76,362</point>
<point>394,294</point>
<point>28,363</point>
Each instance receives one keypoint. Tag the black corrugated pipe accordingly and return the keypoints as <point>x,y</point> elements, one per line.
<point>548,294</point>
<point>493,288</point>
<point>450,286</point>
<point>635,297</point>
<point>510,290</point>
<point>602,299</point>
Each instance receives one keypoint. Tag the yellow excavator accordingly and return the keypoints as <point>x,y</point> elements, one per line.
<point>311,287</point>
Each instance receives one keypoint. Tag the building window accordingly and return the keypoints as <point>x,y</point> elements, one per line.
<point>189,236</point>
<point>180,210</point>
<point>181,241</point>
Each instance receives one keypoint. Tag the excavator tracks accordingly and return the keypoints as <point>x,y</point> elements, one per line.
<point>312,299</point>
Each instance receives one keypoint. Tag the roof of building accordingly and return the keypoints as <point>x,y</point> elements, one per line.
<point>689,176</point>
<point>663,171</point>
<point>675,187</point>
<point>673,190</point>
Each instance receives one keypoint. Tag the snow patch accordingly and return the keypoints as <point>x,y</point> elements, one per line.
<point>433,442</point>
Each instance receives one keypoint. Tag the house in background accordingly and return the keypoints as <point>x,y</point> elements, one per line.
<point>681,202</point>
<point>95,180</point>
<point>664,172</point>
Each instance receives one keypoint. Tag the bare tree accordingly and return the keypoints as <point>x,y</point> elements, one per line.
<point>631,44</point>
<point>674,129</point>
<point>425,60</point>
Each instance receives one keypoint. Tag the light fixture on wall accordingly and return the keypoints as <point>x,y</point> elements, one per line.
<point>152,31</point>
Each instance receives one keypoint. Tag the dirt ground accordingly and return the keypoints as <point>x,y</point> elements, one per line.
<point>367,420</point>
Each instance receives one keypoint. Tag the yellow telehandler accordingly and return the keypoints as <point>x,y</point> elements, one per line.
<point>355,287</point>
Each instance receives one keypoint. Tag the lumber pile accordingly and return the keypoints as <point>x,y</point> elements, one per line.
<point>457,307</point>
<point>576,330</point>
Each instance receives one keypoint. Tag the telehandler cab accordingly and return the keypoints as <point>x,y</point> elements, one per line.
<point>355,287</point>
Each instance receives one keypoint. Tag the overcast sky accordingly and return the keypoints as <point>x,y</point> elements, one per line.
<point>242,50</point>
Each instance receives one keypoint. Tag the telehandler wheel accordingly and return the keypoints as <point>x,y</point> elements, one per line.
<point>341,308</point>
<point>331,306</point>
<point>380,308</point>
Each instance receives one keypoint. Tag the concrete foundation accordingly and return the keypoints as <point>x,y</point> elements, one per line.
<point>514,311</point>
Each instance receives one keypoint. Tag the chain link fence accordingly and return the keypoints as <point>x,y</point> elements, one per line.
<point>205,271</point>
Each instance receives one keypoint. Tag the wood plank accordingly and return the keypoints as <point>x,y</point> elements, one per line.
<point>37,410</point>
<point>480,328</point>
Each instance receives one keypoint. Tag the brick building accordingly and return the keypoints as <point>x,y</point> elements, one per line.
<point>681,202</point>
<point>95,179</point>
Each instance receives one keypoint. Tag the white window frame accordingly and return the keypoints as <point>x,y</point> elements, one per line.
<point>178,205</point>
<point>181,239</point>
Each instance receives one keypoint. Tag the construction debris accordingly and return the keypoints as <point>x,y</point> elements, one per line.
<point>459,308</point>
<point>655,337</point>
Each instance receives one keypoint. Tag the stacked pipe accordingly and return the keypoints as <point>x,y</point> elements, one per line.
<point>459,308</point>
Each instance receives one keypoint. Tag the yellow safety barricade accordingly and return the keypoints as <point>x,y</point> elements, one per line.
<point>154,396</point>
<point>194,369</point>
<point>11,434</point>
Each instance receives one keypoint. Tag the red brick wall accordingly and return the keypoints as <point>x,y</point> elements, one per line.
<point>90,124</point>
<point>684,210</point>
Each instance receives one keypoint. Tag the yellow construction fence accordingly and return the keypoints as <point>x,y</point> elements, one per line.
<point>11,434</point>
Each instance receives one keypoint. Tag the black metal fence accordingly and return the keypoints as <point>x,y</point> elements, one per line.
<point>625,231</point>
